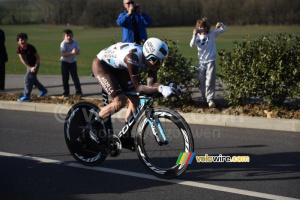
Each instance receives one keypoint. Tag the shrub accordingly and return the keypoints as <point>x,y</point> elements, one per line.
<point>267,67</point>
<point>176,69</point>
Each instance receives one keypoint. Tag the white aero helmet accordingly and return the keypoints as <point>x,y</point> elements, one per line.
<point>155,49</point>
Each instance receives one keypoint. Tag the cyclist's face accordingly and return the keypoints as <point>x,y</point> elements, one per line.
<point>154,65</point>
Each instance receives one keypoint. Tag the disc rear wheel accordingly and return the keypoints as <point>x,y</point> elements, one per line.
<point>82,140</point>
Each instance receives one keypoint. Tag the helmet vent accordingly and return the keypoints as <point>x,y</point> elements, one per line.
<point>163,51</point>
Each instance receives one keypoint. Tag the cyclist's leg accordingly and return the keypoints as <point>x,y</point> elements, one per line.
<point>133,104</point>
<point>105,75</point>
<point>117,103</point>
<point>126,84</point>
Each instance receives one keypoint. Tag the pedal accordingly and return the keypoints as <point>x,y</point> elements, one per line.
<point>114,146</point>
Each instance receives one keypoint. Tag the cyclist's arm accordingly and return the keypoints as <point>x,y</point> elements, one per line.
<point>152,79</point>
<point>132,64</point>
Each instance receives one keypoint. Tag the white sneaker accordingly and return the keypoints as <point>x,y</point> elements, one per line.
<point>211,104</point>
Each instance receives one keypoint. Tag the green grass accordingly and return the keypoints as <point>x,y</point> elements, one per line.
<point>47,40</point>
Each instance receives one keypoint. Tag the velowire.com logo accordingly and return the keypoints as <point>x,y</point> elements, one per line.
<point>185,158</point>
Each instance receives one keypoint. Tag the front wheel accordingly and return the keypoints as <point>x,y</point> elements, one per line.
<point>160,159</point>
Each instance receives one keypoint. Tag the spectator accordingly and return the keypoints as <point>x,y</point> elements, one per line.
<point>69,50</point>
<point>31,59</point>
<point>3,59</point>
<point>133,22</point>
<point>204,39</point>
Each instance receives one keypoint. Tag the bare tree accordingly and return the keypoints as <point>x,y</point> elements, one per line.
<point>103,13</point>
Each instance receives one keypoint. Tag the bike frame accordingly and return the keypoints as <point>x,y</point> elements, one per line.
<point>144,106</point>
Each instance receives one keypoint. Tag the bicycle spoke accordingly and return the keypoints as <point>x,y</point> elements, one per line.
<point>160,159</point>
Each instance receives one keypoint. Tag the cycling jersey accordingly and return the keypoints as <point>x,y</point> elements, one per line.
<point>115,55</point>
<point>117,69</point>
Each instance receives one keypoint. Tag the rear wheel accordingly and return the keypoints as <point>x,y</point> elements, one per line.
<point>85,144</point>
<point>160,159</point>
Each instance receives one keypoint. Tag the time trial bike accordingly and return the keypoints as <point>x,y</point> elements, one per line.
<point>160,136</point>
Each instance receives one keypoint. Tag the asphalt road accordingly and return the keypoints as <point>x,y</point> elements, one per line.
<point>35,164</point>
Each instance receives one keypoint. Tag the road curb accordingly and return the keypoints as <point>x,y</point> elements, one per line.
<point>241,121</point>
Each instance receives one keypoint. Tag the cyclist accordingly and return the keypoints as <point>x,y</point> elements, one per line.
<point>116,68</point>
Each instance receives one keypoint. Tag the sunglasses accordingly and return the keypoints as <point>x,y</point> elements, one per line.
<point>156,61</point>
<point>130,2</point>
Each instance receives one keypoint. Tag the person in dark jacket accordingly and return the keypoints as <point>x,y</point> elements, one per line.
<point>133,22</point>
<point>3,59</point>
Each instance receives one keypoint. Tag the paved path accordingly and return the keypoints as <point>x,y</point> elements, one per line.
<point>90,87</point>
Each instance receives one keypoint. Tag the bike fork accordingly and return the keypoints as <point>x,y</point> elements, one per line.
<point>157,129</point>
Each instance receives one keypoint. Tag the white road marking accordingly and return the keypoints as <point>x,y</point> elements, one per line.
<point>146,176</point>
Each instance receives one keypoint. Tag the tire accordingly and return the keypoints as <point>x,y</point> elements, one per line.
<point>161,160</point>
<point>84,150</point>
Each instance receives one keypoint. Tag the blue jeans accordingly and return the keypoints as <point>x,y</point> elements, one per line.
<point>72,68</point>
<point>30,80</point>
